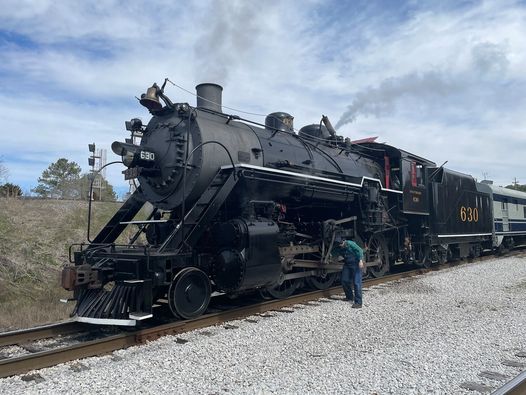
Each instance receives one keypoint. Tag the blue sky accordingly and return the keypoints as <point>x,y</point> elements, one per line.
<point>444,80</point>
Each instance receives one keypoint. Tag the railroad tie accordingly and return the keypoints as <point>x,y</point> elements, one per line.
<point>473,386</point>
<point>514,364</point>
<point>493,375</point>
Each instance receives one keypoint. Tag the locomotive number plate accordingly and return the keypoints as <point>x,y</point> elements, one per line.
<point>148,156</point>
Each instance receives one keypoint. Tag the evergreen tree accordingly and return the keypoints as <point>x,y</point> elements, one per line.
<point>102,189</point>
<point>60,180</point>
<point>517,187</point>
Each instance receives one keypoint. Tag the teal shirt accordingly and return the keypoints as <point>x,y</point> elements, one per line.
<point>350,248</point>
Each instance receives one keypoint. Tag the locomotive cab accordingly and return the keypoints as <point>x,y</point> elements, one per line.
<point>414,183</point>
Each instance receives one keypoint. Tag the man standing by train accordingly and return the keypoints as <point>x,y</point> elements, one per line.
<point>352,269</point>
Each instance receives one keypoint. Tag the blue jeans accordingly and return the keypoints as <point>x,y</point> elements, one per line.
<point>352,276</point>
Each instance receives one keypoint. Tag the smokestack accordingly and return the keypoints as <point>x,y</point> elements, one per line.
<point>209,96</point>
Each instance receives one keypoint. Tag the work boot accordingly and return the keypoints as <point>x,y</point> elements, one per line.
<point>356,306</point>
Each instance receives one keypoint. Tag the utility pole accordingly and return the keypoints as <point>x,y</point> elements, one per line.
<point>96,161</point>
<point>135,139</point>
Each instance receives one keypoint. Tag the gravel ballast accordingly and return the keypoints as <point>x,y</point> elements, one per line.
<point>432,334</point>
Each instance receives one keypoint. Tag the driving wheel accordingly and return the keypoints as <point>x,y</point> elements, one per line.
<point>377,253</point>
<point>322,282</point>
<point>285,289</point>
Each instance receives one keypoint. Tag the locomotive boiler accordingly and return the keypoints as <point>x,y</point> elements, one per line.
<point>240,206</point>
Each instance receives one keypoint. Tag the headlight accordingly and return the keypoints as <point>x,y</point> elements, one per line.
<point>133,155</point>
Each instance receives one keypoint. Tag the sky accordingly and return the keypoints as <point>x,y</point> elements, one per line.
<point>443,80</point>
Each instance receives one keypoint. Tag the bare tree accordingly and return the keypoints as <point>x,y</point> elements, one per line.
<point>4,173</point>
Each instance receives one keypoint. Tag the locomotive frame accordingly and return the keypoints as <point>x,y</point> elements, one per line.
<point>239,206</point>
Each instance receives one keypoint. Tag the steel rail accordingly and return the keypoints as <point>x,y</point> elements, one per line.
<point>40,332</point>
<point>266,306</point>
<point>38,360</point>
<point>516,386</point>
<point>26,363</point>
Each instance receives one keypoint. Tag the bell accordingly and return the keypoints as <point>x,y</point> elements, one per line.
<point>150,99</point>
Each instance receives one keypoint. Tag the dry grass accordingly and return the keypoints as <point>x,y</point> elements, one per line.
<point>34,239</point>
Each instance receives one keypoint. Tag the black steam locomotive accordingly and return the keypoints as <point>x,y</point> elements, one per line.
<point>239,206</point>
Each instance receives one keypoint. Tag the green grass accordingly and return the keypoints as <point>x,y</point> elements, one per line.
<point>34,239</point>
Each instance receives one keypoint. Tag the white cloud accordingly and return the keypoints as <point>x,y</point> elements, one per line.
<point>53,130</point>
<point>74,82</point>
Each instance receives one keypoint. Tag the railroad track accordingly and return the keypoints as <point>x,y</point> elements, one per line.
<point>516,386</point>
<point>37,360</point>
<point>109,343</point>
<point>41,332</point>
